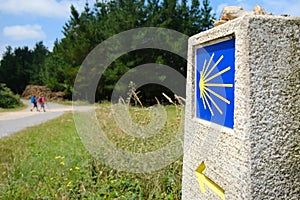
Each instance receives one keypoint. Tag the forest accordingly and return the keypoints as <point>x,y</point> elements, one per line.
<point>57,68</point>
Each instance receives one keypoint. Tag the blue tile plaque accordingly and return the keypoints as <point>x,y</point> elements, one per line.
<point>215,83</point>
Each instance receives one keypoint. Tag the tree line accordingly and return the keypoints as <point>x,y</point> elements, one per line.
<point>85,30</point>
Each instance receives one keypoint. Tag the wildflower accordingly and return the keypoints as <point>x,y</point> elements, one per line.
<point>69,183</point>
<point>51,179</point>
<point>62,163</point>
<point>77,168</point>
<point>71,169</point>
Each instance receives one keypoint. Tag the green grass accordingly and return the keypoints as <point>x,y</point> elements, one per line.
<point>50,162</point>
<point>70,103</point>
<point>21,107</point>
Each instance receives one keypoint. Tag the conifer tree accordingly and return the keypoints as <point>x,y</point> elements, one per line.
<point>85,30</point>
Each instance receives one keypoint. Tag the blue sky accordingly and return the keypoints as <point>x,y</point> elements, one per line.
<point>25,22</point>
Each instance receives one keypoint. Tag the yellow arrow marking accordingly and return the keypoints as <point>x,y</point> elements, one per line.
<point>202,179</point>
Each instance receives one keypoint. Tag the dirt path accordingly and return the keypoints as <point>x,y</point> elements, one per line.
<point>11,122</point>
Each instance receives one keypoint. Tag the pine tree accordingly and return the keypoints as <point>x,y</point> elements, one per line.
<point>207,19</point>
<point>92,26</point>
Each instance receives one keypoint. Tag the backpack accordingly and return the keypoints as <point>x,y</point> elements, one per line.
<point>39,100</point>
<point>31,99</point>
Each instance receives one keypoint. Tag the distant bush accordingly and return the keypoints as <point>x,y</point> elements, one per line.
<point>7,98</point>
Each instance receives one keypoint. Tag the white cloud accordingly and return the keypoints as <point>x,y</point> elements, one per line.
<point>48,8</point>
<point>24,32</point>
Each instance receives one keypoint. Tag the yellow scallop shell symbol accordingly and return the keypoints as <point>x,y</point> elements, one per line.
<point>206,86</point>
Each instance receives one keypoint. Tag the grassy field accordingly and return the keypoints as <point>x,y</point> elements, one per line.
<point>50,162</point>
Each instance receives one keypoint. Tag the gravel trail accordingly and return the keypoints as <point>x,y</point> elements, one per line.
<point>11,122</point>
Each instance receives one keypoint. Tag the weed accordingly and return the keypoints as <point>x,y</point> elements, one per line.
<point>50,162</point>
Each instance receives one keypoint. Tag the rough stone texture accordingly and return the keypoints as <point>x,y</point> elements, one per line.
<point>260,157</point>
<point>258,10</point>
<point>233,12</point>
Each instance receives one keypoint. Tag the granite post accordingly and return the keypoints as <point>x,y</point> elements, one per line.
<point>242,122</point>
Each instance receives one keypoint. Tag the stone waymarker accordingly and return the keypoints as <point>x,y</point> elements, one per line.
<point>242,130</point>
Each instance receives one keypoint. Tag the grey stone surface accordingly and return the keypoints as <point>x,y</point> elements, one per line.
<point>260,157</point>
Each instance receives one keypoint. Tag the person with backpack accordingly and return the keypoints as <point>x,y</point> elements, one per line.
<point>42,102</point>
<point>33,100</point>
